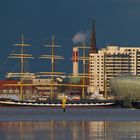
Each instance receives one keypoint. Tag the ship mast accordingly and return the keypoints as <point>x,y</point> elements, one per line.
<point>52,57</point>
<point>22,56</point>
<point>84,74</point>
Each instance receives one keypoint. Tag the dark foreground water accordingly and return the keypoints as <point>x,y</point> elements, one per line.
<point>74,124</point>
<point>69,130</point>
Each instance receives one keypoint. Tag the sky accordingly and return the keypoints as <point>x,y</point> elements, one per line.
<point>117,23</point>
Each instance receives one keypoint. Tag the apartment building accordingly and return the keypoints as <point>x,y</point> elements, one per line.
<point>110,62</point>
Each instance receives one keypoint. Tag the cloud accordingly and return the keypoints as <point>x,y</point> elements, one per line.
<point>81,37</point>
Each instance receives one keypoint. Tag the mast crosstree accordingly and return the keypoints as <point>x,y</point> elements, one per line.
<point>22,56</point>
<point>84,75</point>
<point>52,57</point>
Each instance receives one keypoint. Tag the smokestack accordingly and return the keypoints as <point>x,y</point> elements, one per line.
<point>93,48</point>
<point>75,61</point>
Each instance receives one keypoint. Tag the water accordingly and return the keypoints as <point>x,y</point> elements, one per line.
<point>74,124</point>
<point>69,130</point>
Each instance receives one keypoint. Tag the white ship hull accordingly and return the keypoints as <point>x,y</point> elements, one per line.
<point>36,104</point>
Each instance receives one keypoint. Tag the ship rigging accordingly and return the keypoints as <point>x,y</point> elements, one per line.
<point>53,57</point>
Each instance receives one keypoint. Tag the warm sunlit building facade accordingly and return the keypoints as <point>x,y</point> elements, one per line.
<point>110,62</point>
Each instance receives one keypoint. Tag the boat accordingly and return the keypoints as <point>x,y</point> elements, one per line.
<point>51,102</point>
<point>58,103</point>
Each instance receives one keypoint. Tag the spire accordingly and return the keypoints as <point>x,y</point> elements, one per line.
<point>93,48</point>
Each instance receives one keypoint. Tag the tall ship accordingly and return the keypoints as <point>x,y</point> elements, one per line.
<point>35,90</point>
<point>49,88</point>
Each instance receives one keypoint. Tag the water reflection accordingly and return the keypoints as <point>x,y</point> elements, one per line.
<point>69,130</point>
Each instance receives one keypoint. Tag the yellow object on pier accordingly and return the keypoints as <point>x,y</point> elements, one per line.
<point>64,103</point>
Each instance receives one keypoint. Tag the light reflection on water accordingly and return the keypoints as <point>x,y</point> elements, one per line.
<point>69,130</point>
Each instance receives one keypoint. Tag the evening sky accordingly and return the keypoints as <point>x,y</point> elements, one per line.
<point>117,23</point>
